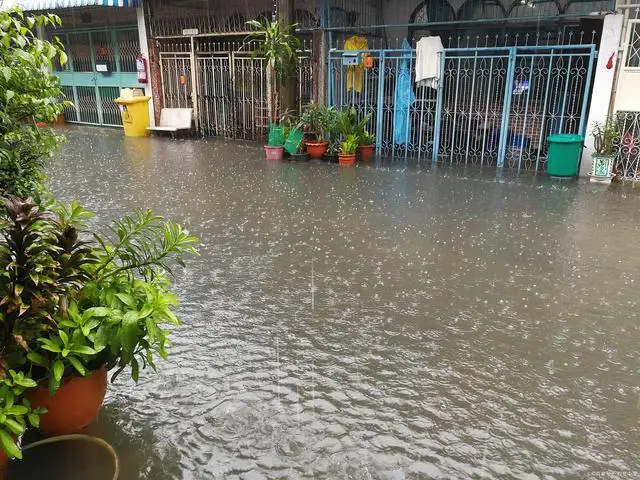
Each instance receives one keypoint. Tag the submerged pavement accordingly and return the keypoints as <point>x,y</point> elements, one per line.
<point>388,321</point>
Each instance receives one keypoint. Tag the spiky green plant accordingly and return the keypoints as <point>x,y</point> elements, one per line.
<point>278,45</point>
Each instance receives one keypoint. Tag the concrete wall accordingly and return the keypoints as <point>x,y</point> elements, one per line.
<point>603,84</point>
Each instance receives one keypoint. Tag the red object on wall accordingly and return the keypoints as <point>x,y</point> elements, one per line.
<point>610,62</point>
<point>141,68</point>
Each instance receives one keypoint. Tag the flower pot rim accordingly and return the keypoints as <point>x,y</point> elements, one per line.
<point>43,384</point>
<point>274,146</point>
<point>369,145</point>
<point>346,155</point>
<point>316,143</point>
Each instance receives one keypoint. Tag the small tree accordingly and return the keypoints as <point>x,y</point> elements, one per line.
<point>29,94</point>
<point>279,47</point>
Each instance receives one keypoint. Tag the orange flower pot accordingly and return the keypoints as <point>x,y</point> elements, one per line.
<point>366,152</point>
<point>74,406</point>
<point>368,61</point>
<point>347,159</point>
<point>4,463</point>
<point>316,149</point>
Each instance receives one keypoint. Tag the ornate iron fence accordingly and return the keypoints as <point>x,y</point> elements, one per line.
<point>493,105</point>
<point>230,94</point>
<point>627,165</point>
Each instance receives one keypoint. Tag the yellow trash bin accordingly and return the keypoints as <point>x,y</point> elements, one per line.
<point>135,115</point>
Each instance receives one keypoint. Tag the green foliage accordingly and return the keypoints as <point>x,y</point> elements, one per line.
<point>71,306</point>
<point>366,138</point>
<point>278,45</point>
<point>606,134</point>
<point>29,93</point>
<point>349,123</point>
<point>320,120</point>
<point>350,144</point>
<point>43,264</point>
<point>15,411</point>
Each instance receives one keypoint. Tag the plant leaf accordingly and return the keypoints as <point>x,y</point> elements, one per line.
<point>58,370</point>
<point>78,366</point>
<point>8,445</point>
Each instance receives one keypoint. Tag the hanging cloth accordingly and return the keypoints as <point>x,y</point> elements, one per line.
<point>355,75</point>
<point>404,98</point>
<point>428,54</point>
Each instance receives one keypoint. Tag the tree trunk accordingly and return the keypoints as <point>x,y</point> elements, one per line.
<point>272,93</point>
<point>287,89</point>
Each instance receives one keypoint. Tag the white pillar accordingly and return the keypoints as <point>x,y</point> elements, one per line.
<point>144,50</point>
<point>602,84</point>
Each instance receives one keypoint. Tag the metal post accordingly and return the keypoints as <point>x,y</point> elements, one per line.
<point>380,105</point>
<point>438,120</point>
<point>566,94</point>
<point>194,82</point>
<point>506,109</point>
<point>116,49</point>
<point>526,112</point>
<point>330,76</point>
<point>583,113</point>
<point>92,59</point>
<point>544,107</point>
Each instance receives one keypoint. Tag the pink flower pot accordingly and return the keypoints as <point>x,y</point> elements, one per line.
<point>274,153</point>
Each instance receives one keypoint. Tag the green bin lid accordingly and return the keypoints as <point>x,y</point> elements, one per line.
<point>565,138</point>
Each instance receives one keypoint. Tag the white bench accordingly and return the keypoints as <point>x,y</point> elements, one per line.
<point>173,120</point>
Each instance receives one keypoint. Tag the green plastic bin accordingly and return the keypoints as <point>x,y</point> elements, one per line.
<point>563,156</point>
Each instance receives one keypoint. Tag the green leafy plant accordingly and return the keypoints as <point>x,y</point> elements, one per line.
<point>606,135</point>
<point>349,122</point>
<point>71,306</point>
<point>320,121</point>
<point>29,94</point>
<point>365,138</point>
<point>350,144</point>
<point>278,45</point>
<point>15,411</point>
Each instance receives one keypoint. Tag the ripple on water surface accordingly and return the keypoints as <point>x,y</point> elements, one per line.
<point>460,324</point>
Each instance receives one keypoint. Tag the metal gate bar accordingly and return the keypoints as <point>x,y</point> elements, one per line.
<point>493,105</point>
<point>92,93</point>
<point>229,97</point>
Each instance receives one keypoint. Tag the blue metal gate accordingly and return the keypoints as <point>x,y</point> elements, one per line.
<point>492,106</point>
<point>92,92</point>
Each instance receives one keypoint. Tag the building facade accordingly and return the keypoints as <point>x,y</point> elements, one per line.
<point>512,72</point>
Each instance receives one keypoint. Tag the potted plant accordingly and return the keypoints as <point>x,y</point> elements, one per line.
<point>350,124</point>
<point>72,309</point>
<point>606,135</point>
<point>293,134</point>
<point>347,155</point>
<point>366,145</point>
<point>316,120</point>
<point>278,46</point>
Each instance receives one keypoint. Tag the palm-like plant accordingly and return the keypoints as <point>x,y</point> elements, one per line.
<point>279,47</point>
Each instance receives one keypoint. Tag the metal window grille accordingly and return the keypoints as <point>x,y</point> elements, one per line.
<point>633,45</point>
<point>495,105</point>
<point>627,166</point>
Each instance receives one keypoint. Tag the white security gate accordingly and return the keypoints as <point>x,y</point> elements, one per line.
<point>230,94</point>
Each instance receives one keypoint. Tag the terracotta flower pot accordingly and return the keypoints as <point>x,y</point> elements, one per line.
<point>316,149</point>
<point>74,406</point>
<point>4,463</point>
<point>347,159</point>
<point>366,152</point>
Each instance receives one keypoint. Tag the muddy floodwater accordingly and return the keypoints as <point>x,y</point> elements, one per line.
<point>389,321</point>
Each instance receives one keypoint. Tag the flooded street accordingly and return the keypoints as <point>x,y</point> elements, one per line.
<point>379,322</point>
